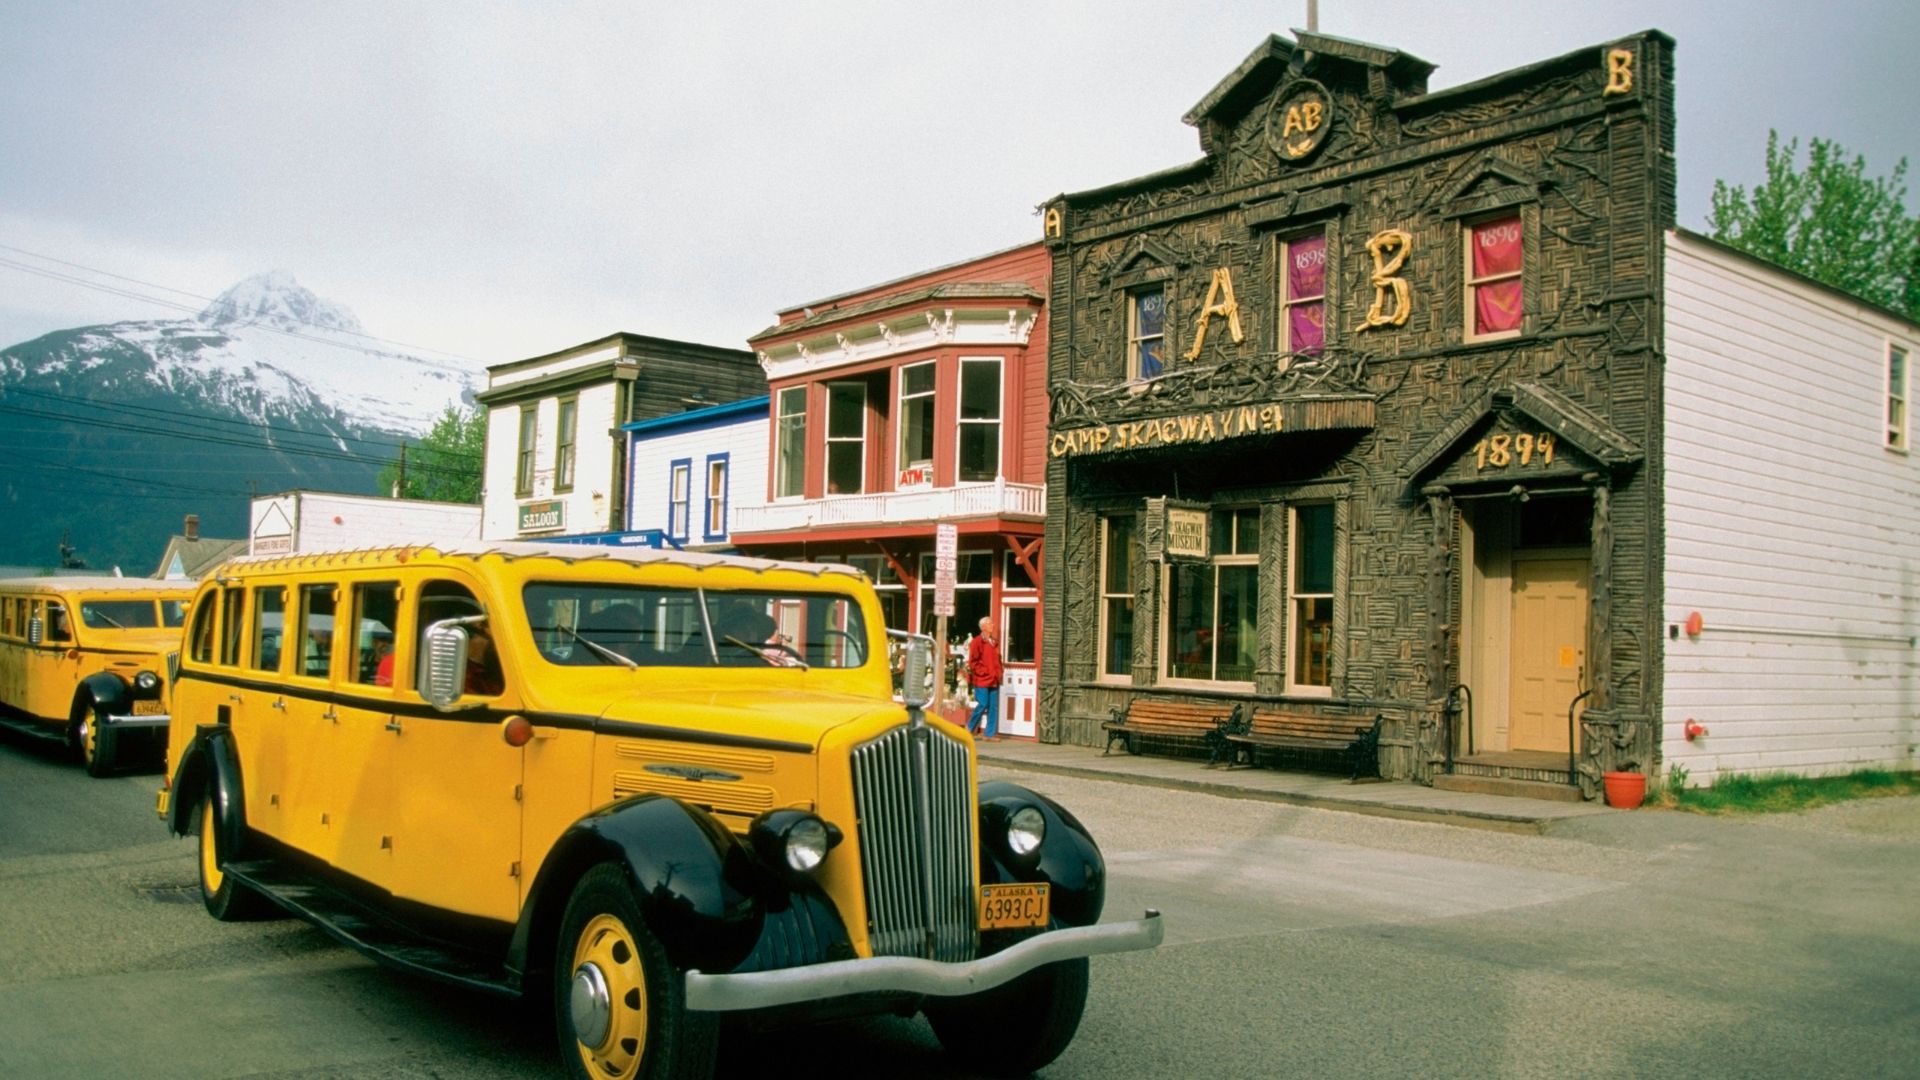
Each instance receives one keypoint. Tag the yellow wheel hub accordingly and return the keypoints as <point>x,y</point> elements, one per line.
<point>608,999</point>
<point>209,856</point>
<point>89,740</point>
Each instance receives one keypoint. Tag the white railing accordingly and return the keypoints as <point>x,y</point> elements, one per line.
<point>998,499</point>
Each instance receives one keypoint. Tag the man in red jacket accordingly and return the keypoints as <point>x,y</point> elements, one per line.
<point>983,671</point>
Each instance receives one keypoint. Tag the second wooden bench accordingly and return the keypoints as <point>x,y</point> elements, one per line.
<point>1180,722</point>
<point>1359,744</point>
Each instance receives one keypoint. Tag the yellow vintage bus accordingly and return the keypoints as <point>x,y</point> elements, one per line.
<point>645,789</point>
<point>84,660</point>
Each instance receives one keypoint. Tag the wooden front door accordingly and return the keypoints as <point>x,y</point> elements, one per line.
<point>1549,654</point>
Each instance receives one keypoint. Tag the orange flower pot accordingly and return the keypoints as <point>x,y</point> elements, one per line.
<point>1625,790</point>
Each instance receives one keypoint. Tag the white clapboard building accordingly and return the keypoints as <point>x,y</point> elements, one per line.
<point>693,471</point>
<point>1792,539</point>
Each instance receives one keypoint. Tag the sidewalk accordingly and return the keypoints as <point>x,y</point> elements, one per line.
<point>1397,799</point>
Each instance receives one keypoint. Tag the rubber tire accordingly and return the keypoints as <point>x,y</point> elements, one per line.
<point>99,746</point>
<point>680,1045</point>
<point>1015,1029</point>
<point>229,901</point>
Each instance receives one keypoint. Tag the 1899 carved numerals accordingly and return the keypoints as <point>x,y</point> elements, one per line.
<point>1500,451</point>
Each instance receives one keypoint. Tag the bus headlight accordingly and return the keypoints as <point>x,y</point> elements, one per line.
<point>146,682</point>
<point>1026,830</point>
<point>794,840</point>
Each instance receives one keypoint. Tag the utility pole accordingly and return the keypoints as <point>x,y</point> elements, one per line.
<point>400,484</point>
<point>1313,16</point>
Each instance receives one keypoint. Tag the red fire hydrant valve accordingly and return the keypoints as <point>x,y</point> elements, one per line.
<point>1694,729</point>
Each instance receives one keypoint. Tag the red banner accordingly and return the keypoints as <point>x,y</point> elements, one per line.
<point>1307,280</point>
<point>1497,251</point>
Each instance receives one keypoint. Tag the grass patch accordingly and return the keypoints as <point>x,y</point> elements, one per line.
<point>1780,793</point>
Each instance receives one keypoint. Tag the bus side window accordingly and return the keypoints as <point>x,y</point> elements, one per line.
<point>376,610</point>
<point>316,626</point>
<point>232,625</point>
<point>201,648</point>
<point>269,626</point>
<point>57,622</point>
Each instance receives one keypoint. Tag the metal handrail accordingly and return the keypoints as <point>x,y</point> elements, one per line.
<point>1573,748</point>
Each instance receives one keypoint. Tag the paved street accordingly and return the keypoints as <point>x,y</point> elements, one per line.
<point>1301,942</point>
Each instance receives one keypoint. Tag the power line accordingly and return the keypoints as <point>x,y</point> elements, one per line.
<point>223,440</point>
<point>160,412</point>
<point>175,305</point>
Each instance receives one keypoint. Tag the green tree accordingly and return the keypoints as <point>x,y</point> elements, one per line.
<point>1831,222</point>
<point>444,465</point>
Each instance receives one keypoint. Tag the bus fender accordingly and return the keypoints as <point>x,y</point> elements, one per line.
<point>691,878</point>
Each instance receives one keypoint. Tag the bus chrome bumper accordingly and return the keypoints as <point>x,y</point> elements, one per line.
<point>151,720</point>
<point>910,975</point>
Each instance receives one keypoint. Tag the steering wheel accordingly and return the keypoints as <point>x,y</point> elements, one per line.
<point>859,646</point>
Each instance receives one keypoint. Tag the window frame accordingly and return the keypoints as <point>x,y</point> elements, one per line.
<point>790,476</point>
<point>1108,597</point>
<point>1283,260</point>
<point>1215,562</point>
<point>529,440</point>
<point>680,499</point>
<point>1291,640</point>
<point>829,439</point>
<point>1898,413</point>
<point>998,421</point>
<point>931,396</point>
<point>257,626</point>
<point>1134,338</point>
<point>566,432</point>
<point>1470,283</point>
<point>714,524</point>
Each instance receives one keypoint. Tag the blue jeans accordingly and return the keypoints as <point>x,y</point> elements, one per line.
<point>986,700</point>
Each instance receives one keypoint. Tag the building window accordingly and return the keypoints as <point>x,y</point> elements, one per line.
<point>1119,545</point>
<point>790,439</point>
<point>1496,251</point>
<point>1311,576</point>
<point>529,430</point>
<point>886,585</point>
<point>716,525</point>
<point>1897,387</point>
<point>679,494</point>
<point>846,438</point>
<point>979,418</point>
<point>1146,333</point>
<point>563,446</point>
<point>916,425</point>
<point>1213,606</point>
<point>1303,295</point>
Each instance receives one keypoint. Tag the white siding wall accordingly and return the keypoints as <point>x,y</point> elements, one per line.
<point>325,522</point>
<point>1790,527</point>
<point>591,500</point>
<point>745,443</point>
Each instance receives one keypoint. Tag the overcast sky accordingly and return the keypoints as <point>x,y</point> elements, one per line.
<point>497,181</point>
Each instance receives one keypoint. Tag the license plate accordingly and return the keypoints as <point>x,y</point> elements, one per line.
<point>161,803</point>
<point>1007,907</point>
<point>149,708</point>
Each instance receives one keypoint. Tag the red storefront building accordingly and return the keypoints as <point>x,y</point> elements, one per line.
<point>904,406</point>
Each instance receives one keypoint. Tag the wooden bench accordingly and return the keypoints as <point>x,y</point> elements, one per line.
<point>1182,722</point>
<point>1277,729</point>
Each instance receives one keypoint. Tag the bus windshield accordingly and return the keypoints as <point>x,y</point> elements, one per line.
<point>599,625</point>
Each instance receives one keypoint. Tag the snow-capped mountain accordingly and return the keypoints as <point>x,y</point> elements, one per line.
<point>118,430</point>
<point>264,346</point>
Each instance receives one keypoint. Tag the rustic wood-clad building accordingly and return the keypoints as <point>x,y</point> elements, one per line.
<point>1359,409</point>
<point>1417,406</point>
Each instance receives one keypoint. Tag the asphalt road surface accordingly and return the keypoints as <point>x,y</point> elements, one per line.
<point>1299,943</point>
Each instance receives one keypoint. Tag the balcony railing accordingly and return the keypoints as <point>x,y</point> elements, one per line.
<point>998,499</point>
